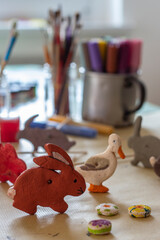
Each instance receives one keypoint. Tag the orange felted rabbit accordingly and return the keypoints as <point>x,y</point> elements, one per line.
<point>48,184</point>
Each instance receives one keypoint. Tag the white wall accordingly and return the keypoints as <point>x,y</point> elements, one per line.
<point>97,15</point>
<point>144,16</point>
<point>98,19</point>
<point>97,11</point>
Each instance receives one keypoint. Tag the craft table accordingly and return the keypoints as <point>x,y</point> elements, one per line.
<point>128,186</point>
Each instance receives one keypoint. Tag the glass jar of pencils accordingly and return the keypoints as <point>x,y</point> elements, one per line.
<point>60,81</point>
<point>48,91</point>
<point>76,76</point>
<point>68,94</point>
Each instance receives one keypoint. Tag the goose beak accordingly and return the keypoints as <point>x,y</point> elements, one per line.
<point>120,152</point>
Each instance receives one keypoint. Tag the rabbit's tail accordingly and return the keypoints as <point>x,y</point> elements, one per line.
<point>152,161</point>
<point>11,192</point>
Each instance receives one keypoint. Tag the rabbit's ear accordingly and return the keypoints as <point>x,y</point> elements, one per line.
<point>50,162</point>
<point>28,122</point>
<point>58,153</point>
<point>58,159</point>
<point>137,126</point>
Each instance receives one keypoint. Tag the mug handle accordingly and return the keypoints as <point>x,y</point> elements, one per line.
<point>133,79</point>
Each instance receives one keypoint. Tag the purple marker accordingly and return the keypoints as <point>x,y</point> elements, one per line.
<point>95,57</point>
<point>123,57</point>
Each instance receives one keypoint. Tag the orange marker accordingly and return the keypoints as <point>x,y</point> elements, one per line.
<point>112,57</point>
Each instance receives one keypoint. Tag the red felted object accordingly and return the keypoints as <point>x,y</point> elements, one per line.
<point>10,165</point>
<point>48,184</point>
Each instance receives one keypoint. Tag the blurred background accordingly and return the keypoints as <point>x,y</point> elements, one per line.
<point>130,18</point>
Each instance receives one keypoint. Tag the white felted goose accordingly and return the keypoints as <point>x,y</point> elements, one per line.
<point>100,167</point>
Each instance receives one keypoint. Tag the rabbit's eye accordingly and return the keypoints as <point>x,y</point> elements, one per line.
<point>75,180</point>
<point>114,141</point>
<point>49,181</point>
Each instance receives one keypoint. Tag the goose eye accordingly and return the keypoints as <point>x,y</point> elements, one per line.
<point>114,141</point>
<point>75,180</point>
<point>49,181</point>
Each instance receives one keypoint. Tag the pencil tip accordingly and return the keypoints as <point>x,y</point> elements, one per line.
<point>14,23</point>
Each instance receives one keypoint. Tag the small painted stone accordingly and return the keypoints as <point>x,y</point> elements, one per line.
<point>139,211</point>
<point>107,209</point>
<point>99,226</point>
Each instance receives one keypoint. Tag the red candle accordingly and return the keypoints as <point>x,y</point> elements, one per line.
<point>9,128</point>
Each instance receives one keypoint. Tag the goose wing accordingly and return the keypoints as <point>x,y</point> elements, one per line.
<point>95,163</point>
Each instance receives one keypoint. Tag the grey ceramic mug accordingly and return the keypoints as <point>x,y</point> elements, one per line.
<point>112,98</point>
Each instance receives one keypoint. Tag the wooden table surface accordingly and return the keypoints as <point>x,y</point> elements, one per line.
<point>128,186</point>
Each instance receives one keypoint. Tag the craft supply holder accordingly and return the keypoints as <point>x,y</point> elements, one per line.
<point>112,98</point>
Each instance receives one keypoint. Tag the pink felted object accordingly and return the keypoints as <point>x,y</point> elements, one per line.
<point>48,184</point>
<point>10,165</point>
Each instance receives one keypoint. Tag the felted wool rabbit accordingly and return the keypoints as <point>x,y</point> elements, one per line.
<point>48,184</point>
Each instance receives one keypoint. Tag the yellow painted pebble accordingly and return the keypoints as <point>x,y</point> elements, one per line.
<point>139,211</point>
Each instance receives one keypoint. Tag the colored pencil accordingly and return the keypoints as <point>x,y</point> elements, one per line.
<point>13,38</point>
<point>63,103</point>
<point>63,48</point>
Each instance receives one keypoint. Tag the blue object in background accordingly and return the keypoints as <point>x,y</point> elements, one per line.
<point>38,125</point>
<point>68,129</point>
